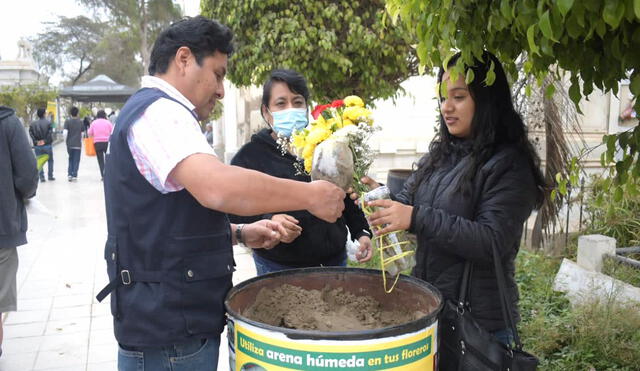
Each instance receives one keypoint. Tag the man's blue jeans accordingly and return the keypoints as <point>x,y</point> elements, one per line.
<point>194,355</point>
<point>264,266</point>
<point>45,150</point>
<point>74,161</point>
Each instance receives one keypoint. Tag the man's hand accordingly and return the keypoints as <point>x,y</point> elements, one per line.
<point>263,234</point>
<point>40,142</point>
<point>365,250</point>
<point>327,200</point>
<point>395,215</point>
<point>291,227</point>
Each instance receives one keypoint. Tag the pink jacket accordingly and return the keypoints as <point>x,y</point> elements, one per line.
<point>100,130</point>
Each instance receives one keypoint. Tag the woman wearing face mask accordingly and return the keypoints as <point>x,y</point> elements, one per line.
<point>310,241</point>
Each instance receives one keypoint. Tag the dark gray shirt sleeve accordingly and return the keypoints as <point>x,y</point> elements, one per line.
<point>25,173</point>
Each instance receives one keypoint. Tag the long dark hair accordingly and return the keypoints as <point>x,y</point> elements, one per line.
<point>495,122</point>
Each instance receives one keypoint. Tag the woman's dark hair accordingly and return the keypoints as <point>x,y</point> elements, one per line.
<point>74,111</point>
<point>294,80</point>
<point>101,114</point>
<point>201,35</point>
<point>495,122</point>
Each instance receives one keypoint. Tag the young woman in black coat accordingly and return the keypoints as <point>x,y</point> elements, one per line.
<point>473,190</point>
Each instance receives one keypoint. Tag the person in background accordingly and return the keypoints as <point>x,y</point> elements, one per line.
<point>100,130</point>
<point>169,248</point>
<point>208,133</point>
<point>471,192</point>
<point>41,133</point>
<point>112,117</point>
<point>309,242</point>
<point>73,132</point>
<point>86,122</point>
<point>18,182</point>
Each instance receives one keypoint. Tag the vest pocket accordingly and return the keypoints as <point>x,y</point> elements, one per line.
<point>206,279</point>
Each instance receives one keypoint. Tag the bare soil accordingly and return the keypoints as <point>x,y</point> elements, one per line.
<point>330,310</point>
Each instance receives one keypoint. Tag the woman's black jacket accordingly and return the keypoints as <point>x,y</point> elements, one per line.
<point>320,242</point>
<point>453,227</point>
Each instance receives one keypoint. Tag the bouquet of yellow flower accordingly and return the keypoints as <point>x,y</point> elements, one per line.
<point>334,146</point>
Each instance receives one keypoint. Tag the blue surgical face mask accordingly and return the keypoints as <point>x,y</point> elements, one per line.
<point>287,121</point>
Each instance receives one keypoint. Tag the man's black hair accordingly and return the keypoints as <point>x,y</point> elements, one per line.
<point>74,111</point>
<point>294,80</point>
<point>41,111</point>
<point>201,35</point>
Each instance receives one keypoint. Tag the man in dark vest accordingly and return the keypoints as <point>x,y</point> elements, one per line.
<point>169,246</point>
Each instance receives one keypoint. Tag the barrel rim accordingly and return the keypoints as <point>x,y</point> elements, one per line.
<point>382,332</point>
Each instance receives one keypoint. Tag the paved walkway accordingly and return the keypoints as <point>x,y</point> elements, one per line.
<point>59,324</point>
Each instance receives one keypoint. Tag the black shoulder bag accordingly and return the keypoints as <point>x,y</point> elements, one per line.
<point>464,345</point>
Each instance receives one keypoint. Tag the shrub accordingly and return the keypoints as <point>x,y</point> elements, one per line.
<point>603,335</point>
<point>612,215</point>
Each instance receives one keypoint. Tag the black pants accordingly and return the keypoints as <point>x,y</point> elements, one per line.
<point>101,148</point>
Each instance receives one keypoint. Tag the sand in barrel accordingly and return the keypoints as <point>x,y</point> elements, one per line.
<point>330,310</point>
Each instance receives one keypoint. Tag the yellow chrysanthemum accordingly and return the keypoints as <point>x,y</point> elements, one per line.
<point>331,122</point>
<point>307,164</point>
<point>353,100</point>
<point>317,134</point>
<point>347,122</point>
<point>307,152</point>
<point>320,121</point>
<point>298,140</point>
<point>355,113</point>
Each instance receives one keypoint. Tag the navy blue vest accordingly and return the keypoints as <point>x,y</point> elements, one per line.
<point>169,259</point>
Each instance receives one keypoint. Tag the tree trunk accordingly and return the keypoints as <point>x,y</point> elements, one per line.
<point>144,48</point>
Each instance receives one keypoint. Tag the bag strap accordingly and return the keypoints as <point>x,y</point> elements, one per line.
<point>465,288</point>
<point>465,285</point>
<point>506,314</point>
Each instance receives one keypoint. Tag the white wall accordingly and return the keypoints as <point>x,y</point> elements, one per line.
<point>407,126</point>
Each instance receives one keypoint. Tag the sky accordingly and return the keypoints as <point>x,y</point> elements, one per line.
<point>24,18</point>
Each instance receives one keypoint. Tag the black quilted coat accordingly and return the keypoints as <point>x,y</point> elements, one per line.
<point>453,227</point>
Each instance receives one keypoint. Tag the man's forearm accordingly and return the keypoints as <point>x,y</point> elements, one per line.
<point>239,191</point>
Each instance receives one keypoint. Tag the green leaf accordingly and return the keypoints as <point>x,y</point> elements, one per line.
<point>573,28</point>
<point>528,66</point>
<point>545,26</point>
<point>491,75</point>
<point>505,9</point>
<point>634,86</point>
<point>611,147</point>
<point>632,189</point>
<point>527,90</point>
<point>636,8</point>
<point>469,77</point>
<point>549,91</point>
<point>531,33</point>
<point>613,13</point>
<point>562,187</point>
<point>617,196</point>
<point>564,6</point>
<point>574,91</point>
